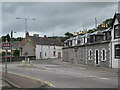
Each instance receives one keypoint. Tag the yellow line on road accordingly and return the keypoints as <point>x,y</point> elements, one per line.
<point>43,82</point>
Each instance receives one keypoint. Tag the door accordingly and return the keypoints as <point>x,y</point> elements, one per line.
<point>97,62</point>
<point>59,54</point>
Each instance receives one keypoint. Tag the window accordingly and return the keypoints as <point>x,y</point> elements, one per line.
<point>103,54</point>
<point>78,41</point>
<point>90,54</point>
<point>54,46</point>
<point>54,53</point>
<point>105,36</point>
<point>117,51</point>
<point>117,31</point>
<point>40,54</point>
<point>45,54</point>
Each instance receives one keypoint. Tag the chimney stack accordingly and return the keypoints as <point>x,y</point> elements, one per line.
<point>36,35</point>
<point>119,7</point>
<point>27,35</point>
<point>45,36</point>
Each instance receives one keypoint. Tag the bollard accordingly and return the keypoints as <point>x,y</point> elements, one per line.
<point>28,60</point>
<point>31,63</point>
<point>23,63</point>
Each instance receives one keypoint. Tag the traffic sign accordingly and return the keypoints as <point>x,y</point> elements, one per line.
<point>6,45</point>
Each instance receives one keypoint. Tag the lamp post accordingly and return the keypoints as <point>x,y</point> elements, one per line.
<point>25,19</point>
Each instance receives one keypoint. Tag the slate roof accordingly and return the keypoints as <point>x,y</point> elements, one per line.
<point>46,41</point>
<point>117,15</point>
<point>16,44</point>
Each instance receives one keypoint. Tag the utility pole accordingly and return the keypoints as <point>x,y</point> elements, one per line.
<point>95,23</point>
<point>6,46</point>
<point>26,19</point>
<point>11,45</point>
<point>119,7</point>
<point>6,63</point>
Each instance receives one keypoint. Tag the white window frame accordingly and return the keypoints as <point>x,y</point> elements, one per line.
<point>90,58</point>
<point>102,54</point>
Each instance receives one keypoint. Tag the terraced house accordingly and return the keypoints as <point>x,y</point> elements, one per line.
<point>40,47</point>
<point>101,48</point>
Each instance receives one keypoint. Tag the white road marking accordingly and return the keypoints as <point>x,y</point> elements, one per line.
<point>98,77</point>
<point>103,78</point>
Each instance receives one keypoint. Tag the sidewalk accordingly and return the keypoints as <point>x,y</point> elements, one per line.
<point>88,67</point>
<point>19,81</point>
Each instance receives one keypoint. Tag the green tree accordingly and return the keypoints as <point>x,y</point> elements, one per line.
<point>3,54</point>
<point>67,34</point>
<point>17,39</point>
<point>16,53</point>
<point>4,38</point>
<point>91,31</point>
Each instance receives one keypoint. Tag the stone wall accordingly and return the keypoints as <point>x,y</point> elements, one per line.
<point>81,55</point>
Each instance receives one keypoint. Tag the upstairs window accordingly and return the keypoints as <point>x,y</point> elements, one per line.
<point>78,41</point>
<point>117,31</point>
<point>117,51</point>
<point>105,36</point>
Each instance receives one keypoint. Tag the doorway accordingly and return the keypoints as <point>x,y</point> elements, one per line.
<point>96,56</point>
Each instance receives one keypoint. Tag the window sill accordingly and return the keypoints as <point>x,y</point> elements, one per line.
<point>103,60</point>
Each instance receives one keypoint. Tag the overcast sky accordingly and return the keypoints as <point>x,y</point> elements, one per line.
<point>54,17</point>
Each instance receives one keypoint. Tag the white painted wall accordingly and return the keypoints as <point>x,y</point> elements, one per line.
<point>112,31</point>
<point>48,50</point>
<point>114,42</point>
<point>114,60</point>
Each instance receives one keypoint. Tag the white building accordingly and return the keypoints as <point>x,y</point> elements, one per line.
<point>115,41</point>
<point>41,47</point>
<point>48,51</point>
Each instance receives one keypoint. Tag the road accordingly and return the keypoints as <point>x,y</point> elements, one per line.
<point>62,76</point>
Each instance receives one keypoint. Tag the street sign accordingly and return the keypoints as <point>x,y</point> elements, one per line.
<point>6,45</point>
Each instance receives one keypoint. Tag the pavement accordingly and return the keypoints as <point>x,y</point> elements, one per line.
<point>4,85</point>
<point>88,67</point>
<point>20,81</point>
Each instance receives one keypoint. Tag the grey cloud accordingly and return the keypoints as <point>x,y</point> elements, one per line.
<point>55,17</point>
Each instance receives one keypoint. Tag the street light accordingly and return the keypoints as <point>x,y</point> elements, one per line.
<point>26,21</point>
